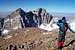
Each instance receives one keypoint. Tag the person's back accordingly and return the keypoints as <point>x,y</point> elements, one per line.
<point>61,25</point>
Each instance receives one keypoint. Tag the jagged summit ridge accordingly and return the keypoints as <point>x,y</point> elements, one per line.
<point>21,19</point>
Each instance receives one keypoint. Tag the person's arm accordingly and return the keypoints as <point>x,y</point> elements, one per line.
<point>70,29</point>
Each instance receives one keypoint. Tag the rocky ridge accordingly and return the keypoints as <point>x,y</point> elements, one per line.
<point>22,19</point>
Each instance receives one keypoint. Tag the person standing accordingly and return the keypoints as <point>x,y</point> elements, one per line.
<point>63,27</point>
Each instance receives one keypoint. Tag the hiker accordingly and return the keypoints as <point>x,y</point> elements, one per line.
<point>63,27</point>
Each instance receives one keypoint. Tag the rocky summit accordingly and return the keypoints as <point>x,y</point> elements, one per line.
<point>35,39</point>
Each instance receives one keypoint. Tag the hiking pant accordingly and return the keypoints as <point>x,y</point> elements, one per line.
<point>61,36</point>
<point>61,39</point>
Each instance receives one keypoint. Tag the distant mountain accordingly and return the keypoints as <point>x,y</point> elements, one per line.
<point>21,19</point>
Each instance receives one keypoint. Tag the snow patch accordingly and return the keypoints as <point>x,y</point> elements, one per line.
<point>51,26</point>
<point>5,32</point>
<point>48,27</point>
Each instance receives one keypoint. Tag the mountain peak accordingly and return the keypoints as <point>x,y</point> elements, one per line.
<point>20,10</point>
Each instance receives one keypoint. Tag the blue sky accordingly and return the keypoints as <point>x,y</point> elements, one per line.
<point>64,6</point>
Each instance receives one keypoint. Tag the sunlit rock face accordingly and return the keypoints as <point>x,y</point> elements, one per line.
<point>14,19</point>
